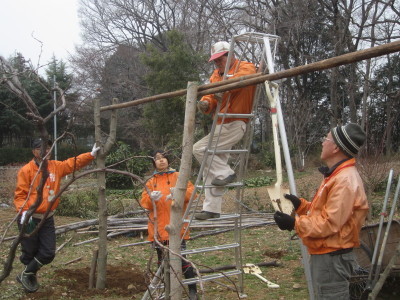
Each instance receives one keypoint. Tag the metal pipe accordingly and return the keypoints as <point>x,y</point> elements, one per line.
<point>55,118</point>
<point>378,238</point>
<point>282,132</point>
<point>378,267</point>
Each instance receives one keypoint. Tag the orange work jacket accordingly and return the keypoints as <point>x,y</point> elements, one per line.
<point>162,182</point>
<point>334,218</point>
<point>240,100</point>
<point>57,170</point>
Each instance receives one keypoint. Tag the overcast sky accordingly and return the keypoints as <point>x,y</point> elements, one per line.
<point>53,22</point>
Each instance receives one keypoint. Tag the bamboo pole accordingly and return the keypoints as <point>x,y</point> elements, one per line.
<point>344,59</point>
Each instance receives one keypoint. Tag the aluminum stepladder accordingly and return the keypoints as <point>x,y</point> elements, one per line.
<point>248,47</point>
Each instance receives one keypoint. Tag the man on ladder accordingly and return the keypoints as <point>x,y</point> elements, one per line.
<point>228,132</point>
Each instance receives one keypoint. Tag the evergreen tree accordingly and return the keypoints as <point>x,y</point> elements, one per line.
<point>170,70</point>
<point>57,73</point>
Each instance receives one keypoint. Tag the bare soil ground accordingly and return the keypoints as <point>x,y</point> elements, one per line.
<point>127,272</point>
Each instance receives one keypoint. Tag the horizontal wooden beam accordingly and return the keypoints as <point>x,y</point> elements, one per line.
<point>257,78</point>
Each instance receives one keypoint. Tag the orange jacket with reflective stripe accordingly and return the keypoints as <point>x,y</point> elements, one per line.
<point>334,218</point>
<point>162,182</point>
<point>57,170</point>
<point>240,100</point>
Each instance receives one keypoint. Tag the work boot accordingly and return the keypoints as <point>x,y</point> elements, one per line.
<point>205,215</point>
<point>193,292</point>
<point>28,277</point>
<point>28,281</point>
<point>225,181</point>
<point>188,272</point>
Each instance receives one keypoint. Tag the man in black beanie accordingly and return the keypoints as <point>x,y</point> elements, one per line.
<point>330,224</point>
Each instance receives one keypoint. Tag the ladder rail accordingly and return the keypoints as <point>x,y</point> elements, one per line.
<point>285,147</point>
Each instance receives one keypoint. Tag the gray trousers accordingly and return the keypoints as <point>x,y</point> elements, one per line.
<point>330,275</point>
<point>227,135</point>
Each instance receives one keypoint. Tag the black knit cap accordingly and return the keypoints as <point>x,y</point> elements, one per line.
<point>349,138</point>
<point>37,143</point>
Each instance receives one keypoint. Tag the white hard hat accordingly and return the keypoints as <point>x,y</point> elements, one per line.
<point>219,49</point>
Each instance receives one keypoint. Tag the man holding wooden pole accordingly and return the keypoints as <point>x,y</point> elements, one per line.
<point>228,132</point>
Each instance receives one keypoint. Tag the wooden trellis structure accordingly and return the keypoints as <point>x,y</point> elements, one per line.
<point>193,92</point>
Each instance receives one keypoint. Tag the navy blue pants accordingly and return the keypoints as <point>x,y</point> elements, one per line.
<point>41,245</point>
<point>187,268</point>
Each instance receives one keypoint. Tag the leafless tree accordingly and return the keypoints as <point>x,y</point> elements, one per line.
<point>10,79</point>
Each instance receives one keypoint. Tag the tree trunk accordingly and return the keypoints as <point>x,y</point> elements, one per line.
<point>352,93</point>
<point>174,228</point>
<point>334,98</point>
<point>101,182</point>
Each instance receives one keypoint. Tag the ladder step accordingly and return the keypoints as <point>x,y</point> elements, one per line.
<point>233,184</point>
<point>255,37</point>
<point>203,278</point>
<point>212,276</point>
<point>238,151</point>
<point>240,116</point>
<point>212,248</point>
<point>222,217</point>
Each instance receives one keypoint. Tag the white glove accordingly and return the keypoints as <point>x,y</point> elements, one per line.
<point>202,106</point>
<point>155,195</point>
<point>94,150</point>
<point>171,194</point>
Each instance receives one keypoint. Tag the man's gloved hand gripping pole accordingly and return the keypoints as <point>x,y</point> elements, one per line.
<point>285,221</point>
<point>94,150</point>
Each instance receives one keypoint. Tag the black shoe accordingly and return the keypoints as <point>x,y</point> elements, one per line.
<point>225,181</point>
<point>28,281</point>
<point>205,215</point>
<point>193,294</point>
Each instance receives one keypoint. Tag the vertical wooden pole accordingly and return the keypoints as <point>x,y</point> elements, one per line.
<point>93,266</point>
<point>101,182</point>
<point>174,228</point>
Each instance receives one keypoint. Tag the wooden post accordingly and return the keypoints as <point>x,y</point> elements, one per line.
<point>175,226</point>
<point>93,265</point>
<point>101,182</point>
